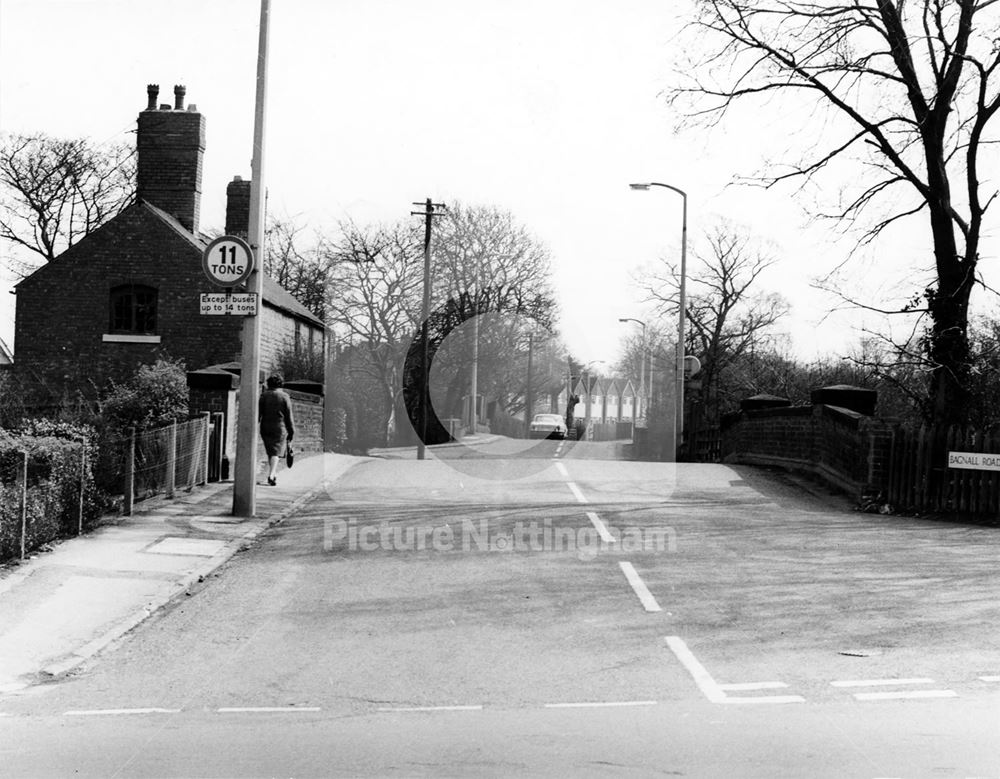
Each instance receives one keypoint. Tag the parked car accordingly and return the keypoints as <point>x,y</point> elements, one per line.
<point>547,426</point>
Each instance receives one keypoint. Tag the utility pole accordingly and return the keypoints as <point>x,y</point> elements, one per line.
<point>425,311</point>
<point>244,487</point>
<point>527,392</point>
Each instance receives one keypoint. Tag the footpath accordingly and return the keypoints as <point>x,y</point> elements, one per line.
<point>60,608</point>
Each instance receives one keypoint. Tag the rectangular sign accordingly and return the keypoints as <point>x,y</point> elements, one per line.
<point>976,461</point>
<point>235,304</point>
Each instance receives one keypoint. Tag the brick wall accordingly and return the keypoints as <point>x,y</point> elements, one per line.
<point>847,449</point>
<point>307,409</point>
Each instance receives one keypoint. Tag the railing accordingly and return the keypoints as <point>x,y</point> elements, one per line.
<point>163,460</point>
<point>919,478</point>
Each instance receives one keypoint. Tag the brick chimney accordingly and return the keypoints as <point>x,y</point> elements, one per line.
<point>170,145</point>
<point>238,207</point>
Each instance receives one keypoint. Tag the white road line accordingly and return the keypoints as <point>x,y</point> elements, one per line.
<point>753,686</point>
<point>562,469</point>
<point>893,696</point>
<point>103,712</point>
<point>265,709</point>
<point>698,672</point>
<point>989,678</point>
<point>598,704</point>
<point>576,491</point>
<point>602,529</point>
<point>639,587</point>
<point>432,708</point>
<point>881,682</point>
<point>753,699</point>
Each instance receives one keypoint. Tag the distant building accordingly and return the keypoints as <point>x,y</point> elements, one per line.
<point>6,355</point>
<point>128,293</point>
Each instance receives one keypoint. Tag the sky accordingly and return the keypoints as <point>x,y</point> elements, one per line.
<point>547,109</point>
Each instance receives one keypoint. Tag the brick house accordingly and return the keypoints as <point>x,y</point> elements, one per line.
<point>128,293</point>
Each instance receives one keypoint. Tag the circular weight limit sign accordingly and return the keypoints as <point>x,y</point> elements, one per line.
<point>227,261</point>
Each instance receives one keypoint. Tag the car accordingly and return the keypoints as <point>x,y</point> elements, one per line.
<point>547,426</point>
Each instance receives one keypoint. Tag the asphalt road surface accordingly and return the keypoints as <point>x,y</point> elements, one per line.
<point>552,611</point>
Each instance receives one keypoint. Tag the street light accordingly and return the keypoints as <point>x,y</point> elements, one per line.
<point>679,379</point>
<point>642,364</point>
<point>586,387</point>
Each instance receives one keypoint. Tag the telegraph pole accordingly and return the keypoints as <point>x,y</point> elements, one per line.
<point>244,488</point>
<point>425,396</point>
<point>527,390</point>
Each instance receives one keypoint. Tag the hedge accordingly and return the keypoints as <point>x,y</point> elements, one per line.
<point>53,490</point>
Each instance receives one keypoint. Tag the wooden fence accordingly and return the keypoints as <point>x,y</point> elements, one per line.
<point>919,478</point>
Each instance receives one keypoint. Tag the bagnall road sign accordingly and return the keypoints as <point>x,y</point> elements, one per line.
<point>227,261</point>
<point>976,461</point>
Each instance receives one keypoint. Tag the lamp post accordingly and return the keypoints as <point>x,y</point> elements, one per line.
<point>585,375</point>
<point>642,363</point>
<point>682,301</point>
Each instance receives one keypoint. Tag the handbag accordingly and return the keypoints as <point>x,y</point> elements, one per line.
<point>289,456</point>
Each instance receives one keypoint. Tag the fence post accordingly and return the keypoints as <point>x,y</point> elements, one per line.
<point>206,421</point>
<point>129,488</point>
<point>24,500</point>
<point>171,459</point>
<point>83,474</point>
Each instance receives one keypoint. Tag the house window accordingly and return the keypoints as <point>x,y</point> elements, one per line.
<point>133,309</point>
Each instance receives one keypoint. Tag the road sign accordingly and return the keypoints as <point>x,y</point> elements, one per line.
<point>229,304</point>
<point>227,261</point>
<point>975,461</point>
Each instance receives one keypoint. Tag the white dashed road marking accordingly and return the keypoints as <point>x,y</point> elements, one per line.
<point>576,491</point>
<point>104,712</point>
<point>747,686</point>
<point>714,691</point>
<point>602,529</point>
<point>598,704</point>
<point>562,469</point>
<point>989,678</point>
<point>432,708</point>
<point>881,682</point>
<point>902,694</point>
<point>265,709</point>
<point>639,586</point>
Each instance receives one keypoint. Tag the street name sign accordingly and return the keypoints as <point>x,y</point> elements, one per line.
<point>229,304</point>
<point>227,261</point>
<point>975,461</point>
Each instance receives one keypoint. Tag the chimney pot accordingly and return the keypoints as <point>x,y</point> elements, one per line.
<point>164,106</point>
<point>192,108</point>
<point>152,92</point>
<point>179,92</point>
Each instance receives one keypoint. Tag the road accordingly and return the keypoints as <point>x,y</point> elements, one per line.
<point>555,611</point>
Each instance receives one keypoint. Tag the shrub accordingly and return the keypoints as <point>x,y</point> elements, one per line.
<point>303,365</point>
<point>156,395</point>
<point>53,490</point>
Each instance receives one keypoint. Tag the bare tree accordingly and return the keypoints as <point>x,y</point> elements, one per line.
<point>375,277</point>
<point>906,90</point>
<point>498,272</point>
<point>301,268</point>
<point>54,191</point>
<point>726,317</point>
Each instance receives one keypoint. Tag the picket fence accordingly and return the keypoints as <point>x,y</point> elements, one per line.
<point>919,478</point>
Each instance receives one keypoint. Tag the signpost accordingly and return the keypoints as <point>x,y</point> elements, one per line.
<point>227,261</point>
<point>974,461</point>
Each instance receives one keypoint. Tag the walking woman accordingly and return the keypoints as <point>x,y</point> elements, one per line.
<point>277,427</point>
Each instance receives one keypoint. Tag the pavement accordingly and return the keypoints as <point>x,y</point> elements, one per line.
<point>61,607</point>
